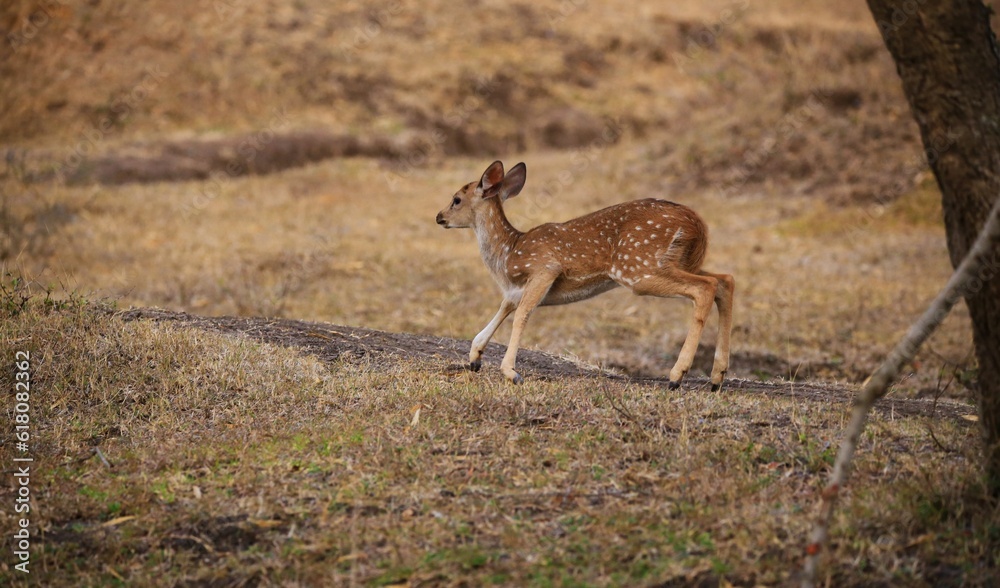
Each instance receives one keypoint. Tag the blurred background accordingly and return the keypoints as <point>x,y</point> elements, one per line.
<point>288,158</point>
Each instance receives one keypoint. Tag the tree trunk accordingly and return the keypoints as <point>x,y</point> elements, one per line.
<point>947,57</point>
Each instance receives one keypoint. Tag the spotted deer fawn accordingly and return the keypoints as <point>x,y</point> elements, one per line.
<point>653,247</point>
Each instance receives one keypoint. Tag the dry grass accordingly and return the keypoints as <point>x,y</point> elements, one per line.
<point>364,66</point>
<point>239,462</point>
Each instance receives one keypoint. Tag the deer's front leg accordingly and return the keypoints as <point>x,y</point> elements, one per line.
<point>484,336</point>
<point>534,292</point>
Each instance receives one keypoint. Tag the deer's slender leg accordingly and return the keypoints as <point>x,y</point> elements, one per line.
<point>701,290</point>
<point>484,336</point>
<point>533,294</point>
<point>724,302</point>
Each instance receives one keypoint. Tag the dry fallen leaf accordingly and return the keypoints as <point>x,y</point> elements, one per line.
<point>921,539</point>
<point>117,521</point>
<point>352,557</point>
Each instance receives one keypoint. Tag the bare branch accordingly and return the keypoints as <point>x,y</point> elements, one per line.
<point>963,282</point>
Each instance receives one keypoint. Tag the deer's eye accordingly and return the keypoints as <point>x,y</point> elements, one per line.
<point>456,201</point>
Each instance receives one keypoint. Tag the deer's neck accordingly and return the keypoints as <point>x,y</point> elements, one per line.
<point>497,237</point>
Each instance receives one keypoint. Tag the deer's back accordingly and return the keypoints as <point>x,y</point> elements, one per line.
<point>657,232</point>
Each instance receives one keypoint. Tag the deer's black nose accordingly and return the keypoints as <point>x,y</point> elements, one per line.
<point>440,219</point>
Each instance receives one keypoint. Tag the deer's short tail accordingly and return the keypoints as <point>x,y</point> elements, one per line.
<point>689,243</point>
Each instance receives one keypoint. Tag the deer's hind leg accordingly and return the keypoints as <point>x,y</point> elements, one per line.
<point>724,301</point>
<point>701,289</point>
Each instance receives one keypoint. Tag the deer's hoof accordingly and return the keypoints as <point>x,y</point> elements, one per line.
<point>718,380</point>
<point>517,379</point>
<point>673,385</point>
<point>475,365</point>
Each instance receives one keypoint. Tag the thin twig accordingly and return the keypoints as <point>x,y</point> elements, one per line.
<point>941,446</point>
<point>625,413</point>
<point>104,460</point>
<point>938,392</point>
<point>959,285</point>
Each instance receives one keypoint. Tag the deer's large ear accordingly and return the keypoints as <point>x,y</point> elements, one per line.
<point>491,179</point>
<point>513,181</point>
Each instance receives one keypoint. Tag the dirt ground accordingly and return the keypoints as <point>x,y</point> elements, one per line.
<point>334,343</point>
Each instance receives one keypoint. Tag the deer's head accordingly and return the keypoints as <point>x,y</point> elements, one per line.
<point>493,188</point>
